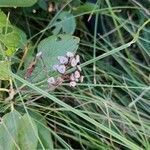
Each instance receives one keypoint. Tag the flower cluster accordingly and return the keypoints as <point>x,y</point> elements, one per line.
<point>65,63</point>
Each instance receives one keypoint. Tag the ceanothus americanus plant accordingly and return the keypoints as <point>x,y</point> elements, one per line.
<point>66,62</point>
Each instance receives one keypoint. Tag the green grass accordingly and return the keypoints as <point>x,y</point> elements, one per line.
<point>110,109</point>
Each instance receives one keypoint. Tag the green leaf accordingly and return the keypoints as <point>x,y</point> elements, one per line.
<point>9,130</point>
<point>65,22</point>
<point>44,136</point>
<point>55,46</point>
<point>10,36</point>
<point>3,20</point>
<point>43,131</point>
<point>17,3</point>
<point>87,7</point>
<point>4,70</point>
<point>42,4</point>
<point>28,133</point>
<point>22,38</point>
<point>51,48</point>
<point>18,132</point>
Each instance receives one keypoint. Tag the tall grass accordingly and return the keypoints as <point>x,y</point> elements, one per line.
<point>110,109</point>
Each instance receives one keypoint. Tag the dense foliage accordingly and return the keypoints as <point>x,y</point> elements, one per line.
<point>74,74</point>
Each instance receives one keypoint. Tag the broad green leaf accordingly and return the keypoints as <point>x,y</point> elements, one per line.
<point>55,46</point>
<point>17,3</point>
<point>10,36</point>
<point>9,39</point>
<point>18,132</point>
<point>22,38</point>
<point>65,22</point>
<point>28,134</point>
<point>9,130</point>
<point>51,48</point>
<point>44,133</point>
<point>4,70</point>
<point>45,136</point>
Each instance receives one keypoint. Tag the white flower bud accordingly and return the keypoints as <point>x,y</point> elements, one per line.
<point>39,54</point>
<point>81,78</point>
<point>63,59</point>
<point>77,58</point>
<point>77,74</point>
<point>51,80</point>
<point>34,11</point>
<point>61,69</point>
<point>72,78</point>
<point>70,54</point>
<point>72,84</point>
<point>73,62</point>
<point>77,80</point>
